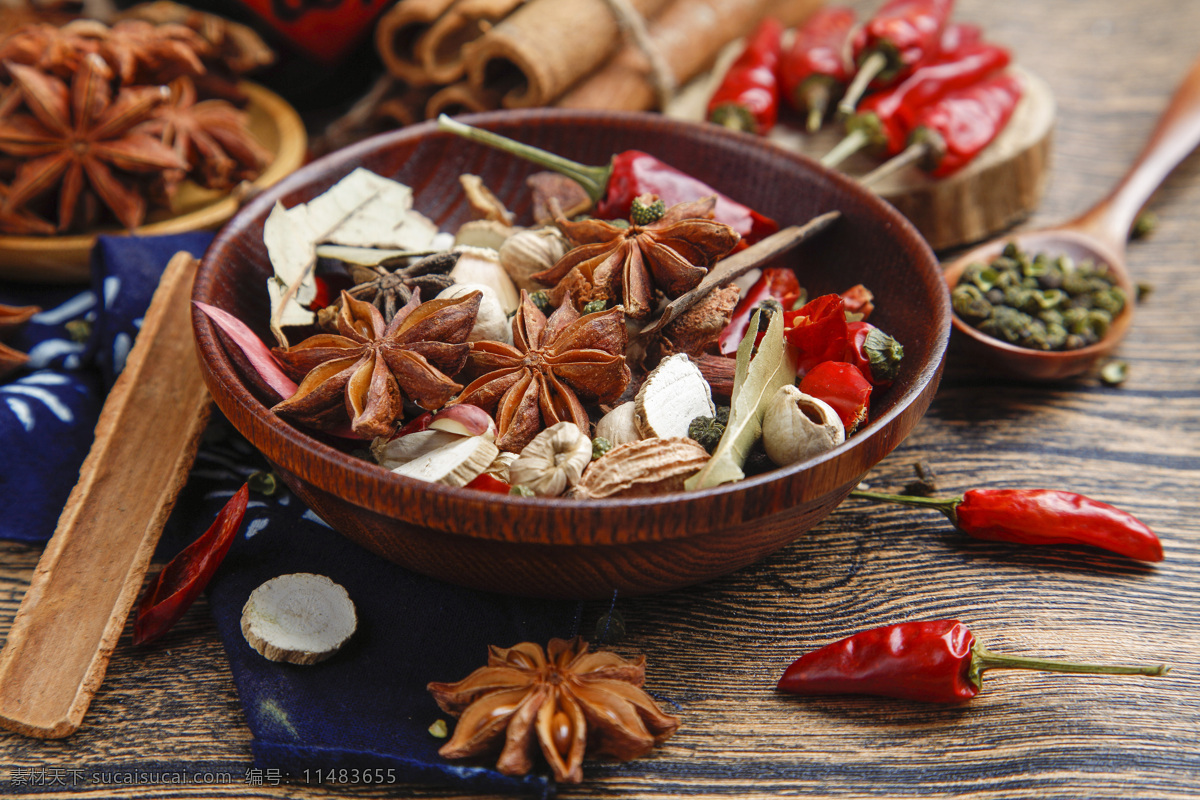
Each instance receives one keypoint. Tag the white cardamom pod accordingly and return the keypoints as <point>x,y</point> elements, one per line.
<point>530,251</point>
<point>618,426</point>
<point>797,427</point>
<point>491,323</point>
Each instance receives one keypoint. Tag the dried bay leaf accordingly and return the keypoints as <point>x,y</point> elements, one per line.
<point>755,382</point>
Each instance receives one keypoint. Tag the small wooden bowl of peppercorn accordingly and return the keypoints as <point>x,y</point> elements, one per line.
<point>1041,306</point>
<point>571,547</point>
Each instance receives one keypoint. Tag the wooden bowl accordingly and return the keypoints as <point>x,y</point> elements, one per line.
<point>575,548</point>
<point>64,259</point>
<point>1040,366</point>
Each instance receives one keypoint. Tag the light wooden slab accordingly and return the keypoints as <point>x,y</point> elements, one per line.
<point>92,568</point>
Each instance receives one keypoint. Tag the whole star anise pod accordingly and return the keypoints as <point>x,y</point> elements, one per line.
<point>20,221</point>
<point>538,380</point>
<point>672,254</point>
<point>82,136</point>
<point>366,371</point>
<point>391,289</point>
<point>212,137</point>
<point>566,700</point>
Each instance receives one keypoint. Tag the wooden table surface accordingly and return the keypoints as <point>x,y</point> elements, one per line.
<point>717,649</point>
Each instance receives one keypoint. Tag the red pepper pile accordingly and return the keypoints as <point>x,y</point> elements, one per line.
<point>931,88</point>
<point>841,356</point>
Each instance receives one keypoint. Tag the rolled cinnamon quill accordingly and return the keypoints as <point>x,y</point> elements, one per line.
<point>397,33</point>
<point>544,47</point>
<point>440,49</point>
<point>460,98</point>
<point>688,34</point>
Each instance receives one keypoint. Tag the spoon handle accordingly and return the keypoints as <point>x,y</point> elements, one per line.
<point>1176,135</point>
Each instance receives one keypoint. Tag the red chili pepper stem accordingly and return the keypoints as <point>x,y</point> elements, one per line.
<point>924,149</point>
<point>877,64</point>
<point>946,505</point>
<point>984,659</point>
<point>593,179</point>
<point>815,94</point>
<point>854,141</point>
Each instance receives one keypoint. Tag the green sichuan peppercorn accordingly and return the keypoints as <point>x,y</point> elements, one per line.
<point>707,431</point>
<point>646,209</point>
<point>1039,302</point>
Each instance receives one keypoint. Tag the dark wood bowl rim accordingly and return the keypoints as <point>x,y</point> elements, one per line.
<point>276,433</point>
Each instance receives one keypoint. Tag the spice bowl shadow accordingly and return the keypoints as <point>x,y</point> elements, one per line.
<point>564,547</point>
<point>1024,363</point>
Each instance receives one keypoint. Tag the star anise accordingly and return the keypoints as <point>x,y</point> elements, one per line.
<point>19,221</point>
<point>211,136</point>
<point>566,700</point>
<point>367,370</point>
<point>391,289</point>
<point>77,136</point>
<point>11,318</point>
<point>538,380</point>
<point>614,263</point>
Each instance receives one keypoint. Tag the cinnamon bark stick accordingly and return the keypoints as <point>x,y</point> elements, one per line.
<point>460,98</point>
<point>397,33</point>
<point>689,34</point>
<point>90,573</point>
<point>545,46</point>
<point>440,49</point>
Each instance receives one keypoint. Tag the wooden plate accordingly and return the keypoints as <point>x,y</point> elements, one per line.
<point>1000,188</point>
<point>64,259</point>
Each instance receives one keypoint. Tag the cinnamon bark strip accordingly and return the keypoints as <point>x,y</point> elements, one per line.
<point>545,46</point>
<point>397,33</point>
<point>460,98</point>
<point>689,34</point>
<point>440,49</point>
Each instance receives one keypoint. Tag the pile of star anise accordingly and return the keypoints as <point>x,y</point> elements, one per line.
<point>103,122</point>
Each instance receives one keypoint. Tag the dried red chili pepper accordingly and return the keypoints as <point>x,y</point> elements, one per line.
<point>1039,517</point>
<point>487,482</point>
<point>779,283</point>
<point>901,35</point>
<point>748,96</point>
<point>818,331</point>
<point>938,661</point>
<point>844,388</point>
<point>813,71</point>
<point>886,119</point>
<point>629,174</point>
<point>876,354</point>
<point>858,300</point>
<point>950,132</point>
<point>175,588</point>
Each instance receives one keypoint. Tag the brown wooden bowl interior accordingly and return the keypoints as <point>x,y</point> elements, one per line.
<point>560,547</point>
<point>1024,363</point>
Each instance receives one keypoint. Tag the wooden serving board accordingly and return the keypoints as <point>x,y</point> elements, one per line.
<point>1000,188</point>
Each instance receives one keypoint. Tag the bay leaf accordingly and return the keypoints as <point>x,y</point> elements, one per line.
<point>755,381</point>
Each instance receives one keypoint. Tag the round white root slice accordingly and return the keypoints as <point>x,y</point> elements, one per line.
<point>300,618</point>
<point>673,394</point>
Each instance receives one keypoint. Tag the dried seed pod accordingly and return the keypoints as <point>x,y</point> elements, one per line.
<point>300,618</point>
<point>645,467</point>
<point>617,426</point>
<point>673,395</point>
<point>483,233</point>
<point>501,464</point>
<point>797,426</point>
<point>491,322</point>
<point>530,251</point>
<point>553,461</point>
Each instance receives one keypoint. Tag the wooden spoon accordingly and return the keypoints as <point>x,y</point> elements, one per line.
<point>1100,233</point>
<point>90,573</point>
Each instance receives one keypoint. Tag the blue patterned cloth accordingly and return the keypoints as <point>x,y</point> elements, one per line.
<point>364,709</point>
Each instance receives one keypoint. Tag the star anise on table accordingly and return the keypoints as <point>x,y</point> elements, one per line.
<point>613,263</point>
<point>538,380</point>
<point>565,700</point>
<point>366,371</point>
<point>51,48</point>
<point>81,137</point>
<point>211,136</point>
<point>390,289</point>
